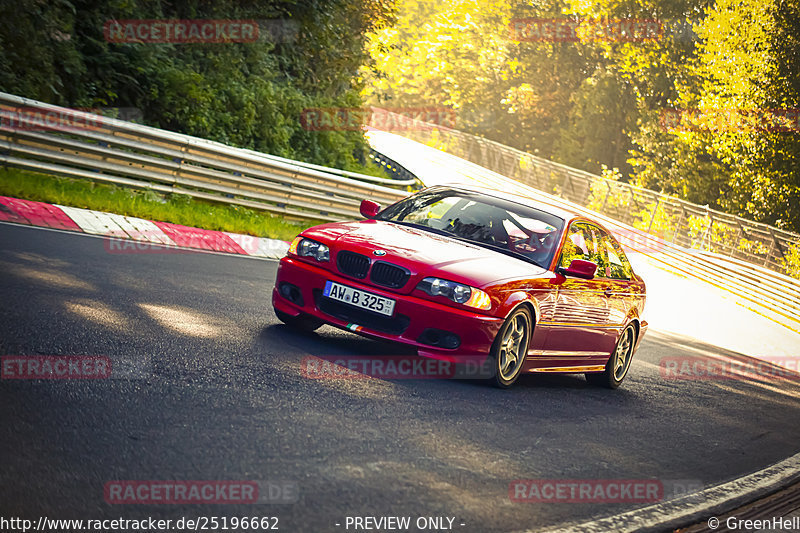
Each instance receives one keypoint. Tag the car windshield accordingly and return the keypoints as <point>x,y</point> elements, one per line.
<point>507,227</point>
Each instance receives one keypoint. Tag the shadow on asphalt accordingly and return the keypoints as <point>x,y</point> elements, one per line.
<point>331,342</point>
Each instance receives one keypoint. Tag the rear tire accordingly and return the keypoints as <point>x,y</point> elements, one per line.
<point>619,362</point>
<point>510,348</point>
<point>301,322</point>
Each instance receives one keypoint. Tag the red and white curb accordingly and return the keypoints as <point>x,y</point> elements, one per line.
<point>142,232</point>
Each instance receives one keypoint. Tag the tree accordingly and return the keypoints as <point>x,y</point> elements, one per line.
<point>249,94</point>
<point>750,60</point>
<point>604,99</point>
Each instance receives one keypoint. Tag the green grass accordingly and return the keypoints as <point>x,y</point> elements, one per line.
<point>175,208</point>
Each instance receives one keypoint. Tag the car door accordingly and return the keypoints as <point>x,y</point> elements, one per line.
<point>616,276</point>
<point>580,331</point>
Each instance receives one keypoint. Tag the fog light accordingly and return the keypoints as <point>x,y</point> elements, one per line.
<point>291,293</point>
<point>439,338</point>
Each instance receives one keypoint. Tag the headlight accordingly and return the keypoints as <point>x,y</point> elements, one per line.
<point>308,248</point>
<point>457,292</point>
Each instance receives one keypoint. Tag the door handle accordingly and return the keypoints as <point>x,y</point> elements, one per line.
<point>608,291</point>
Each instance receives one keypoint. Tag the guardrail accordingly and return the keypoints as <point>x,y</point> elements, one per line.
<point>67,142</point>
<point>677,221</point>
<point>772,291</point>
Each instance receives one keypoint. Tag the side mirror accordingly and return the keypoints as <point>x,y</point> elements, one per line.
<point>579,268</point>
<point>369,209</point>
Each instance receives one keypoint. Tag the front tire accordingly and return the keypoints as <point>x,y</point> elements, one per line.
<point>301,322</point>
<point>619,362</point>
<point>510,348</point>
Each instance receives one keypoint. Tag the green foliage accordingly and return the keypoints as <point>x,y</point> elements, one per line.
<point>602,102</point>
<point>791,261</point>
<point>608,195</point>
<point>599,116</point>
<point>758,248</point>
<point>750,61</point>
<point>176,208</point>
<point>459,55</point>
<point>656,220</point>
<point>249,95</point>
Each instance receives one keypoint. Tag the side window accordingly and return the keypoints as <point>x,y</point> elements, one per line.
<point>577,245</point>
<point>598,252</point>
<point>585,241</point>
<point>618,266</point>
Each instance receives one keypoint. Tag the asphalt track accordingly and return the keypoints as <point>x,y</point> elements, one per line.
<point>207,385</point>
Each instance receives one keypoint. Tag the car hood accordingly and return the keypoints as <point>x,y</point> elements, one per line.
<point>424,253</point>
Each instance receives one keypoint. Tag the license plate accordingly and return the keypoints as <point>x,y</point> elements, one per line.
<point>359,298</point>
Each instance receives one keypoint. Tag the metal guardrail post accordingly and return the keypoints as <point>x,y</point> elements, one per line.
<point>605,198</point>
<point>772,245</point>
<point>737,240</point>
<point>653,214</point>
<point>705,232</point>
<point>678,225</point>
<point>564,185</point>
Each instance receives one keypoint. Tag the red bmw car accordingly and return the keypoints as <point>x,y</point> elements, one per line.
<point>462,273</point>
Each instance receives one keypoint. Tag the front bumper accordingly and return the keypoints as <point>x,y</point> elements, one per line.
<point>412,315</point>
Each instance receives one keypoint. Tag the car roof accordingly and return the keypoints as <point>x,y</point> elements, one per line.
<point>521,199</point>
